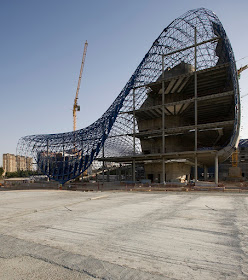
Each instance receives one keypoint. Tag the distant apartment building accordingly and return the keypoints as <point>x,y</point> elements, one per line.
<point>9,163</point>
<point>13,163</point>
<point>29,163</point>
<point>21,163</point>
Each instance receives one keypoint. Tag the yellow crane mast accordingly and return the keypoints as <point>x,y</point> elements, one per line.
<point>241,69</point>
<point>76,107</point>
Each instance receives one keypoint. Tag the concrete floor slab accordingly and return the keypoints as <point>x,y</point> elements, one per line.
<point>123,235</point>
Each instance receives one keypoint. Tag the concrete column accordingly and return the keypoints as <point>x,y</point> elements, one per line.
<point>116,174</point>
<point>205,173</point>
<point>120,173</point>
<point>216,169</point>
<point>196,169</point>
<point>163,170</point>
<point>108,173</point>
<point>133,165</point>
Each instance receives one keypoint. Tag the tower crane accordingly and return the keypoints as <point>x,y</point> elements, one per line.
<point>244,95</point>
<point>76,107</point>
<point>241,69</point>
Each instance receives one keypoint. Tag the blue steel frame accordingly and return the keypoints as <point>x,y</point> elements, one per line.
<point>65,156</point>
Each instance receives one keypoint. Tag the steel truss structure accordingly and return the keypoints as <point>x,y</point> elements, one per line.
<point>65,156</point>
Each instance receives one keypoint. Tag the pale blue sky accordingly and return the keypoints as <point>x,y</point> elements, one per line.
<point>42,45</point>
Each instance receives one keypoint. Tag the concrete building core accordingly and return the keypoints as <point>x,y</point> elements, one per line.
<point>214,124</point>
<point>175,170</point>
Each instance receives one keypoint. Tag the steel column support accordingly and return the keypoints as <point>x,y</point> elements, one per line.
<point>163,123</point>
<point>108,173</point>
<point>82,154</point>
<point>205,173</point>
<point>134,135</point>
<point>133,171</point>
<point>63,154</point>
<point>216,177</point>
<point>196,115</point>
<point>103,164</point>
<point>48,171</point>
<point>120,172</point>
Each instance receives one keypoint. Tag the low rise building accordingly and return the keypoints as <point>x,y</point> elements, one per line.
<point>13,163</point>
<point>21,163</point>
<point>9,163</point>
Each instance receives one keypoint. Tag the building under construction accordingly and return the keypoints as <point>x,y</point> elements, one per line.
<point>180,109</point>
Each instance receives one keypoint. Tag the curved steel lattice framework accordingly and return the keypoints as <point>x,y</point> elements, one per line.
<point>65,156</point>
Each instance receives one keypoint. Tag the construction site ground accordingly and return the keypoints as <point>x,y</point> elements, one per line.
<point>223,186</point>
<point>59,234</point>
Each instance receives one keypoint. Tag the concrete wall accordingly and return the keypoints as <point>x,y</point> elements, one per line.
<point>175,171</point>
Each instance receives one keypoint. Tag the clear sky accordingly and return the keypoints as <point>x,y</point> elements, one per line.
<point>42,45</point>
